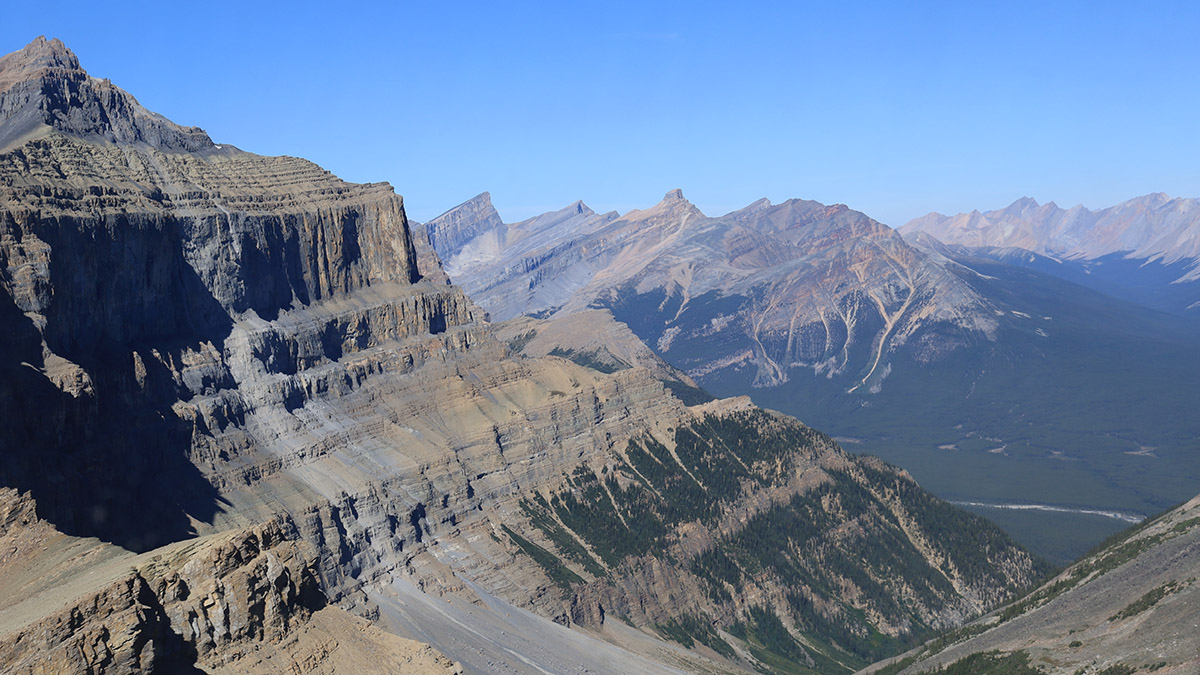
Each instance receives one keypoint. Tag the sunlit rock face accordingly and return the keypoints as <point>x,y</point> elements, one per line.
<point>773,289</point>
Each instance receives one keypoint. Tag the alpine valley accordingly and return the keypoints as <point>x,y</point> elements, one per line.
<point>249,425</point>
<point>1013,383</point>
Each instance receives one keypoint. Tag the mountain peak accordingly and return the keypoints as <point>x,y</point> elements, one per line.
<point>675,204</point>
<point>1153,199</point>
<point>43,87</point>
<point>479,206</point>
<point>449,231</point>
<point>748,211</point>
<point>1022,204</point>
<point>37,59</point>
<point>673,207</point>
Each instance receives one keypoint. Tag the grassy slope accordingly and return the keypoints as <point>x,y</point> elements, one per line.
<point>790,563</point>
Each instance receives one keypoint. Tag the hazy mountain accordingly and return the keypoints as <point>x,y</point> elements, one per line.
<point>769,288</point>
<point>1131,606</point>
<point>1146,249</point>
<point>237,391</point>
<point>993,383</point>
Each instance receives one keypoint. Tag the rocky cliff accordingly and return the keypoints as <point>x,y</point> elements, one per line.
<point>231,602</point>
<point>204,342</point>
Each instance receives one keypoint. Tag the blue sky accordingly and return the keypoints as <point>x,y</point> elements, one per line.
<point>895,109</point>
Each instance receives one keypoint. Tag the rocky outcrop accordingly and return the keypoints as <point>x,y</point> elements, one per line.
<point>42,86</point>
<point>542,265</point>
<point>220,603</point>
<point>120,629</point>
<point>595,339</point>
<point>465,222</point>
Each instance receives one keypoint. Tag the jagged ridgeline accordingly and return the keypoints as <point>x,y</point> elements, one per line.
<point>198,340</point>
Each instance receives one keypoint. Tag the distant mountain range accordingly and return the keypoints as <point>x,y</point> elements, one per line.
<point>993,382</point>
<point>1146,250</point>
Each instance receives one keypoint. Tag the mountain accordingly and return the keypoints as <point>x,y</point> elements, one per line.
<point>998,385</point>
<point>771,288</point>
<point>239,392</point>
<point>1146,250</point>
<point>1130,606</point>
<point>43,89</point>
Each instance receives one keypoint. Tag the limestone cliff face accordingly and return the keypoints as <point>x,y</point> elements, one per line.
<point>465,222</point>
<point>125,264</point>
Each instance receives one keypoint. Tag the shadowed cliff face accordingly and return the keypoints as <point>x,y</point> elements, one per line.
<point>125,256</point>
<point>102,458</point>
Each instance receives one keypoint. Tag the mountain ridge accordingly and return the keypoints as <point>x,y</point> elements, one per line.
<point>1128,606</point>
<point>1153,227</point>
<point>918,351</point>
<point>672,246</point>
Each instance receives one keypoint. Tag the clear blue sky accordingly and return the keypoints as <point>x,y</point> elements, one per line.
<point>895,109</point>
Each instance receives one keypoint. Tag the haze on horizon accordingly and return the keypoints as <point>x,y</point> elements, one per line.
<point>894,111</point>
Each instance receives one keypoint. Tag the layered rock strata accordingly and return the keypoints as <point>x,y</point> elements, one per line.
<point>242,601</point>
